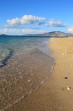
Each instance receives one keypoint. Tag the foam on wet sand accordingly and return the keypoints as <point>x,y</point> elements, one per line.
<point>23,74</point>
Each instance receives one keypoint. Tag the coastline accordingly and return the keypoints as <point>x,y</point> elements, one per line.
<point>56,93</point>
<point>23,75</point>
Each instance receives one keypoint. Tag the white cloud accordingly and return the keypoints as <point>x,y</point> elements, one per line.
<point>15,30</point>
<point>42,31</point>
<point>27,31</point>
<point>26,19</point>
<point>33,31</point>
<point>70,29</point>
<point>54,23</point>
<point>3,31</point>
<point>9,31</point>
<point>13,22</point>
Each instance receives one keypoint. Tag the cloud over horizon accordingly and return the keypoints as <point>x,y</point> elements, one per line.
<point>30,24</point>
<point>55,23</point>
<point>70,29</point>
<point>26,19</point>
<point>32,31</point>
<point>4,31</point>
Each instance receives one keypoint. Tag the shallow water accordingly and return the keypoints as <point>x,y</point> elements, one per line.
<point>20,44</point>
<point>27,66</point>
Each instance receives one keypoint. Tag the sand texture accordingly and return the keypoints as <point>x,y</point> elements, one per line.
<point>23,74</point>
<point>62,77</point>
<point>56,94</point>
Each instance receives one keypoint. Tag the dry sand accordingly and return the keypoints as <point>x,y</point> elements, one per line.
<point>62,77</point>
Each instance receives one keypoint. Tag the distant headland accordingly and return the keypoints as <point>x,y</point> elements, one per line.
<point>48,34</point>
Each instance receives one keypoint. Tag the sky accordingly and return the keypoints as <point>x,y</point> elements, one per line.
<point>35,16</point>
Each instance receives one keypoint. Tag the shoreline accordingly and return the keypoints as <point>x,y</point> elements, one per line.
<point>54,95</point>
<point>23,75</point>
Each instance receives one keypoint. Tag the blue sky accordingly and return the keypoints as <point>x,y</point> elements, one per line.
<point>35,16</point>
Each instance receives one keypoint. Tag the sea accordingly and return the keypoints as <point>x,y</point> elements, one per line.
<point>16,45</point>
<point>25,64</point>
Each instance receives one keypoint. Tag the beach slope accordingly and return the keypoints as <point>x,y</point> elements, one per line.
<point>56,94</point>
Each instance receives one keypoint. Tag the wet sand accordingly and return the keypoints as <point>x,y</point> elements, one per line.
<point>23,75</point>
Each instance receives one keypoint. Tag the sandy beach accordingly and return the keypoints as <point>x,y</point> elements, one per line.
<point>56,93</point>
<point>62,77</point>
<point>36,55</point>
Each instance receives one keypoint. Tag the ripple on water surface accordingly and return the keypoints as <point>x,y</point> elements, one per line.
<point>23,74</point>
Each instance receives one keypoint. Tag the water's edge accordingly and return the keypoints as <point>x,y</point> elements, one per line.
<point>24,73</point>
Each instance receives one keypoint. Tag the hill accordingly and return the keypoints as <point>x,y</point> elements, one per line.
<point>48,34</point>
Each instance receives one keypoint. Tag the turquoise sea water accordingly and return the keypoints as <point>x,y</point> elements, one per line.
<point>16,45</point>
